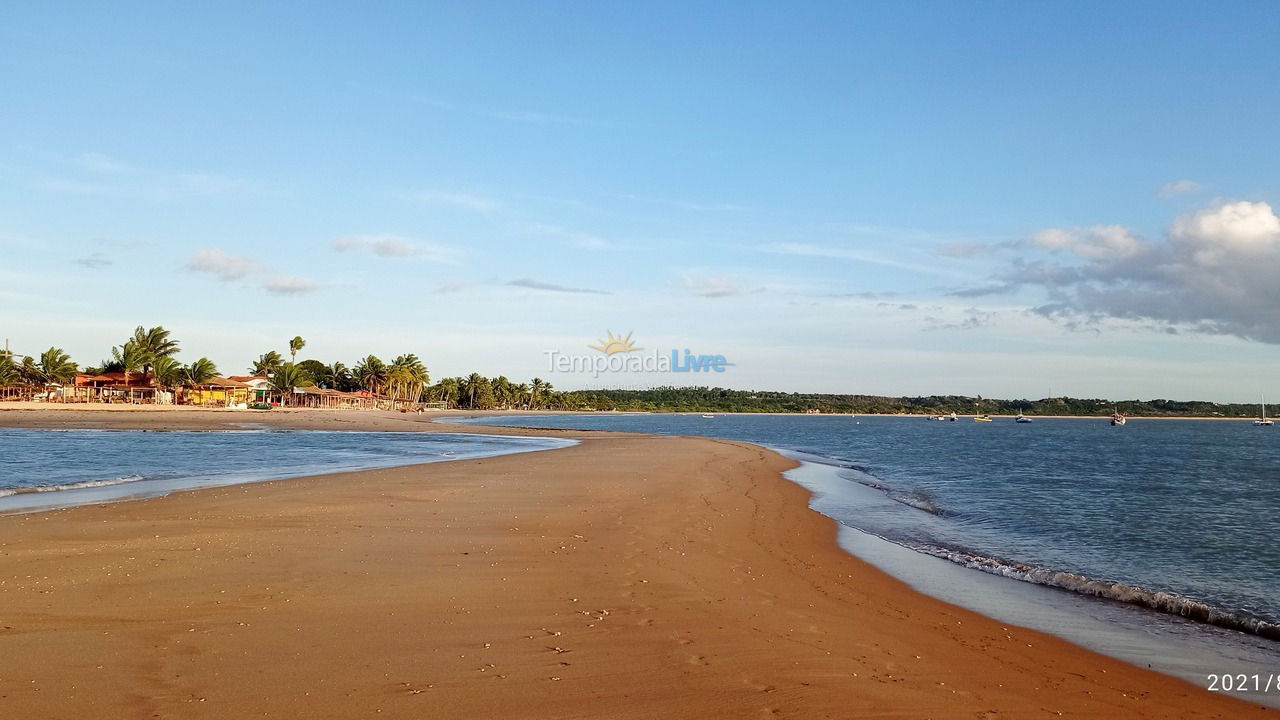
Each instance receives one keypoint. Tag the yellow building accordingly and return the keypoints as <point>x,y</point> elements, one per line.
<point>219,392</point>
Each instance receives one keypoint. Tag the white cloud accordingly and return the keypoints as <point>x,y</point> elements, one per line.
<point>1100,242</point>
<point>531,284</point>
<point>218,263</point>
<point>393,246</point>
<point>1241,228</point>
<point>1179,187</point>
<point>290,285</point>
<point>1216,273</point>
<point>711,286</point>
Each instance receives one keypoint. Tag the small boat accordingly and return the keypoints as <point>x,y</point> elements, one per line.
<point>1262,420</point>
<point>980,416</point>
<point>940,418</point>
<point>953,417</point>
<point>1022,418</point>
<point>1117,418</point>
<point>708,416</point>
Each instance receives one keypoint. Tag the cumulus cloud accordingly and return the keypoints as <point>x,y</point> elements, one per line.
<point>532,284</point>
<point>289,285</point>
<point>221,265</point>
<point>1179,187</point>
<point>1215,272</point>
<point>392,246</point>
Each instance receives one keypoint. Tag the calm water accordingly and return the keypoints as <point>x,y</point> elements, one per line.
<point>1180,517</point>
<point>41,469</point>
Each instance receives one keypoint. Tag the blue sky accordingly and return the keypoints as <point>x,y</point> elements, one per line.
<point>997,199</point>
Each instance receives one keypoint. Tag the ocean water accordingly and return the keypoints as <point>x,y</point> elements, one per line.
<point>44,469</point>
<point>1164,534</point>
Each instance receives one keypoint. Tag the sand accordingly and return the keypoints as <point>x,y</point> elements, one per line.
<point>625,577</point>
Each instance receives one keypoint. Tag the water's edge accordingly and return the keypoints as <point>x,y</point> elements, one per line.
<point>1166,643</point>
<point>32,499</point>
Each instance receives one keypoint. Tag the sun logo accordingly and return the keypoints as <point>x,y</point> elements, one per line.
<point>611,344</point>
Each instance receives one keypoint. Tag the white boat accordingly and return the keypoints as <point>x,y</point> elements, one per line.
<point>1022,418</point>
<point>1117,419</point>
<point>1262,420</point>
<point>708,416</point>
<point>953,416</point>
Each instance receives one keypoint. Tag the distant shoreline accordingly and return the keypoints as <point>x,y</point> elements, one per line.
<point>457,413</point>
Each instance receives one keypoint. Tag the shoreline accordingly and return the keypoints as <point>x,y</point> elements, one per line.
<point>774,613</point>
<point>26,407</point>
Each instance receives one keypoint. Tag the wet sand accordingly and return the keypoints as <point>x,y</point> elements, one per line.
<point>628,576</point>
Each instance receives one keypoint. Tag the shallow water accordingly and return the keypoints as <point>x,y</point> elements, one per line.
<point>1165,532</point>
<point>44,469</point>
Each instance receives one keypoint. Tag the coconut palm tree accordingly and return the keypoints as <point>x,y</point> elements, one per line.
<point>266,364</point>
<point>199,372</point>
<point>9,371</point>
<point>296,344</point>
<point>130,358</point>
<point>447,391</point>
<point>167,372</point>
<point>335,376</point>
<point>56,366</point>
<point>412,375</point>
<point>520,393</point>
<point>371,374</point>
<point>285,378</point>
<point>153,344</point>
<point>538,388</point>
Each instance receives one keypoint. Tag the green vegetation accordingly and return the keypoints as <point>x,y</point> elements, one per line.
<point>708,399</point>
<point>151,353</point>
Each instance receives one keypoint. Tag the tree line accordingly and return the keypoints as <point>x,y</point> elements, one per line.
<point>150,354</point>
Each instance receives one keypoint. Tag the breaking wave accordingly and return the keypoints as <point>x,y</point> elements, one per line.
<point>5,492</point>
<point>1158,600</point>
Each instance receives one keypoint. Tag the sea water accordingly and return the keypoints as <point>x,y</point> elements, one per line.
<point>1158,541</point>
<point>45,469</point>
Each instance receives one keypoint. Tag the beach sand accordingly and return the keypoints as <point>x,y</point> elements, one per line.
<point>625,577</point>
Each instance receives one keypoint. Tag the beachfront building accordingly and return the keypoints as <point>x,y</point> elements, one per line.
<point>114,387</point>
<point>259,384</point>
<point>219,392</point>
<point>318,397</point>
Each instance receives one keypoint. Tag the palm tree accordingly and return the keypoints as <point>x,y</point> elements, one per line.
<point>56,366</point>
<point>266,364</point>
<point>153,345</point>
<point>130,358</point>
<point>336,376</point>
<point>371,373</point>
<point>199,372</point>
<point>409,372</point>
<point>296,344</point>
<point>519,392</point>
<point>447,391</point>
<point>537,388</point>
<point>9,372</point>
<point>285,378</point>
<point>167,372</point>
